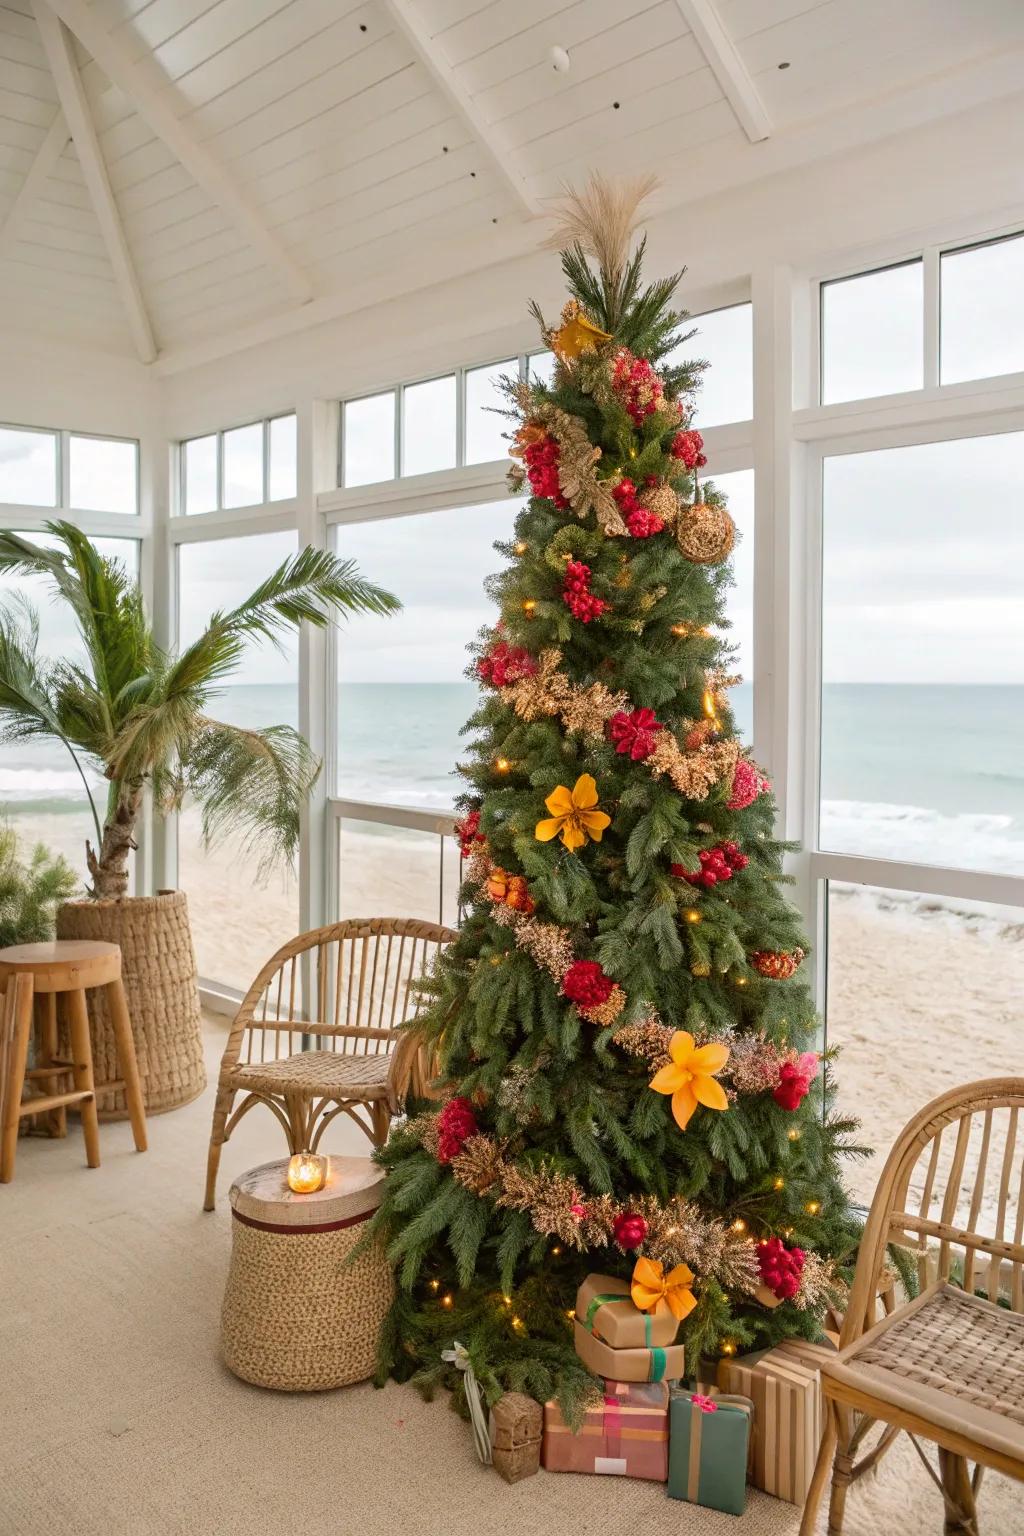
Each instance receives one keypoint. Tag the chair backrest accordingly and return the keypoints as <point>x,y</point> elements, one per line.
<point>361,976</point>
<point>952,1192</point>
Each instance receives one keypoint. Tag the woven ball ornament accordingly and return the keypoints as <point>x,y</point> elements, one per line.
<point>705,534</point>
<point>662,501</point>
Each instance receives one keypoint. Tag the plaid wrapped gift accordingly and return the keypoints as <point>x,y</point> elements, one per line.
<point>626,1435</point>
<point>605,1308</point>
<point>707,1457</point>
<point>784,1384</point>
<point>654,1364</point>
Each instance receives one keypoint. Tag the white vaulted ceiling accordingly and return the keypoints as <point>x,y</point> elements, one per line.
<point>173,171</point>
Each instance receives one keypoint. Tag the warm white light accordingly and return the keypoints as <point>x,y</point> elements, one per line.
<point>307,1172</point>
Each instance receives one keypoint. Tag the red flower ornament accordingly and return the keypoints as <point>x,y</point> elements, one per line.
<point>455,1125</point>
<point>781,1267</point>
<point>586,984</point>
<point>634,733</point>
<point>629,1230</point>
<point>688,447</point>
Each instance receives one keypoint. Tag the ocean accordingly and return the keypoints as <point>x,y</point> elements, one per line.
<point>930,774</point>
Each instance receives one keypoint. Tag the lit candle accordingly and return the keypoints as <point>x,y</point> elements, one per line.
<point>307,1172</point>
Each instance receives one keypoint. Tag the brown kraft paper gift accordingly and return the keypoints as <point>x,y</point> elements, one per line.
<point>605,1308</point>
<point>655,1364</point>
<point>626,1435</point>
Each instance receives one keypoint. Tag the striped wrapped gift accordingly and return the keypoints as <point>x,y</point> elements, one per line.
<point>626,1435</point>
<point>784,1384</point>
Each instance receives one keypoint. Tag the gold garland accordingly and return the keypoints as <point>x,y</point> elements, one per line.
<point>577,456</point>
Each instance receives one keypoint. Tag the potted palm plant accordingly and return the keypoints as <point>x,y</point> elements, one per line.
<point>142,715</point>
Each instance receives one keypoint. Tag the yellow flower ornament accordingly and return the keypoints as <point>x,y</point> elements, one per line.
<point>574,815</point>
<point>690,1076</point>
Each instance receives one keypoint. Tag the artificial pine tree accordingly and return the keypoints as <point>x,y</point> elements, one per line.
<point>625,1036</point>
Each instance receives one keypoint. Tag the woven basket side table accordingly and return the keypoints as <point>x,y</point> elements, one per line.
<point>298,1314</point>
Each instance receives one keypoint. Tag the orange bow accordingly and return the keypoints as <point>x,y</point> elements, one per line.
<point>651,1287</point>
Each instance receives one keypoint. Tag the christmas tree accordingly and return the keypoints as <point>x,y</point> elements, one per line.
<point>625,1035</point>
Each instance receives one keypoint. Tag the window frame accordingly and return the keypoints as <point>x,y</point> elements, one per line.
<point>179,498</point>
<point>28,517</point>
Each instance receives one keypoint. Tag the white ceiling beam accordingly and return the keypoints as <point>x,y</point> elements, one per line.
<point>151,102</point>
<point>72,98</point>
<point>40,171</point>
<point>703,20</point>
<point>411,25</point>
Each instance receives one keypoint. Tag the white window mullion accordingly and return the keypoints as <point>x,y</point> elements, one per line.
<point>932,320</point>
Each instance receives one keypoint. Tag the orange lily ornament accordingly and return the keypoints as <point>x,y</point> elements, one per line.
<point>651,1290</point>
<point>574,815</point>
<point>690,1076</point>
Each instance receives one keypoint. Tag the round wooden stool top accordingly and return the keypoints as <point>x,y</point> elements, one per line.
<point>350,1196</point>
<point>63,965</point>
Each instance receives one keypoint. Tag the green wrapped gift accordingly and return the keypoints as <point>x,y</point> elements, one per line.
<point>707,1449</point>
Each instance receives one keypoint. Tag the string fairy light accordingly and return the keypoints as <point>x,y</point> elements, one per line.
<point>502,765</point>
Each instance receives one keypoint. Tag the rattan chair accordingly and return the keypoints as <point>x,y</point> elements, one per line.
<point>947,1367</point>
<point>362,974</point>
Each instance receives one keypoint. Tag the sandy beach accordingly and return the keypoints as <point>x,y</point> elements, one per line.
<point>920,998</point>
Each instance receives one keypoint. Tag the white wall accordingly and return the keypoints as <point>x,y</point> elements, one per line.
<point>956,177</point>
<point>45,384</point>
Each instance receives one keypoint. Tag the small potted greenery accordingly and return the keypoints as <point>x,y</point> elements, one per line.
<point>142,714</point>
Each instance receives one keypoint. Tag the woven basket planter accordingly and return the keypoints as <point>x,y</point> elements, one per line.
<point>300,1314</point>
<point>159,971</point>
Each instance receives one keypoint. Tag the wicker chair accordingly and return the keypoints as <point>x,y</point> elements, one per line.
<point>361,973</point>
<point>949,1365</point>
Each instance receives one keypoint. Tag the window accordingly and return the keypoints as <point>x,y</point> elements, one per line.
<point>402,694</point>
<point>982,296</point>
<point>28,467</point>
<point>922,995</point>
<point>41,791</point>
<point>369,439</point>
<point>872,333</point>
<point>923,654</point>
<point>238,919</point>
<point>541,367</point>
<point>484,400</point>
<point>103,474</point>
<point>428,426</point>
<point>725,340</point>
<point>401,869</point>
<point>738,488</point>
<point>240,467</point>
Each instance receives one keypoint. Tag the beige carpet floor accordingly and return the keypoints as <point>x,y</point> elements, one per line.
<point>118,1418</point>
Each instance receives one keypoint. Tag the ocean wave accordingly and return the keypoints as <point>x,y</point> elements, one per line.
<point>968,840</point>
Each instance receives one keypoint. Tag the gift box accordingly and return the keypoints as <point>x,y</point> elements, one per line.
<point>707,1454</point>
<point>659,1363</point>
<point>515,1426</point>
<point>626,1435</point>
<point>784,1385</point>
<point>604,1307</point>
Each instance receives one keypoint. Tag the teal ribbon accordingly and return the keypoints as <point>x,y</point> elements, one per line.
<point>659,1364</point>
<point>598,1302</point>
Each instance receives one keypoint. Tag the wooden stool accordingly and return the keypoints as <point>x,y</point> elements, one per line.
<point>65,967</point>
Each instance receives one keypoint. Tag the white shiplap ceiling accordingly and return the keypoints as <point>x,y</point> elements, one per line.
<point>173,171</point>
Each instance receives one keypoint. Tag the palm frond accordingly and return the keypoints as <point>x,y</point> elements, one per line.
<point>253,782</point>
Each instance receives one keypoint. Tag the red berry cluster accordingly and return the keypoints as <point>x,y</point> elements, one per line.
<point>634,733</point>
<point>455,1125</point>
<point>506,664</point>
<point>541,460</point>
<point>689,446</point>
<point>781,1267</point>
<point>586,984</point>
<point>629,1229</point>
<point>468,832</point>
<point>716,864</point>
<point>576,593</point>
<point>793,1086</point>
<point>637,385</point>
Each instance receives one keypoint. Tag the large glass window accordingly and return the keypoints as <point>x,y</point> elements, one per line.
<point>428,426</point>
<point>406,870</point>
<point>241,467</point>
<point>738,487</point>
<point>103,474</point>
<point>725,341</point>
<point>28,467</point>
<point>484,400</point>
<point>923,654</point>
<point>41,791</point>
<point>402,694</point>
<point>369,439</point>
<point>238,919</point>
<point>982,291</point>
<point>923,994</point>
<point>872,333</point>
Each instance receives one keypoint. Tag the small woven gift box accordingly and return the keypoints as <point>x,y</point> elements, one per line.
<point>605,1308</point>
<point>784,1384</point>
<point>707,1456</point>
<point>626,1435</point>
<point>515,1424</point>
